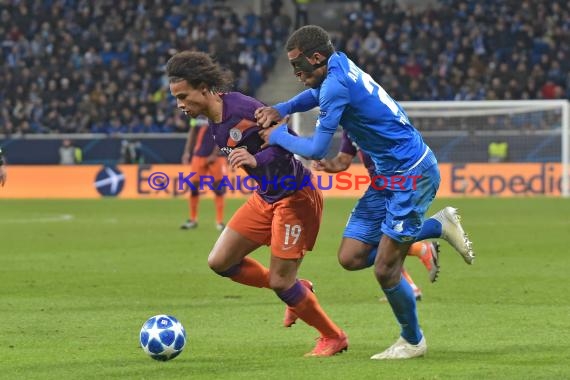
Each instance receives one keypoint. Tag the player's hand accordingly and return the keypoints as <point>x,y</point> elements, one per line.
<point>3,175</point>
<point>185,158</point>
<point>241,157</point>
<point>264,134</point>
<point>320,165</point>
<point>267,116</point>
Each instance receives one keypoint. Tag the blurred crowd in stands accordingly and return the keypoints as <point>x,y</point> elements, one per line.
<point>464,49</point>
<point>70,66</point>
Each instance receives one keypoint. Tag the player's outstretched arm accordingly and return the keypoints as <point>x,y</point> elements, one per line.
<point>315,147</point>
<point>268,116</point>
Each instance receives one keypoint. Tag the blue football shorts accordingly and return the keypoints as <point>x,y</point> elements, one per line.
<point>394,210</point>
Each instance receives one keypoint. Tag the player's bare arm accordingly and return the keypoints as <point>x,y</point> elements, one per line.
<point>341,162</point>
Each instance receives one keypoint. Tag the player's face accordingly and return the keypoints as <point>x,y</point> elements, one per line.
<point>192,101</point>
<point>303,68</point>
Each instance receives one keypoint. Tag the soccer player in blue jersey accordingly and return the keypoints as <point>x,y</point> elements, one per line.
<point>349,97</point>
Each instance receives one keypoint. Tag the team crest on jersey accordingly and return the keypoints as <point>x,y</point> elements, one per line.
<point>235,134</point>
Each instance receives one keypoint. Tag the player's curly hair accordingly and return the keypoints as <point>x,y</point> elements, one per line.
<point>310,39</point>
<point>198,68</point>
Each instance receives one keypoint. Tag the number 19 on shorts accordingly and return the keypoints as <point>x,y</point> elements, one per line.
<point>292,232</point>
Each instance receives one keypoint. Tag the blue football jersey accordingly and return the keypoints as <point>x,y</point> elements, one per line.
<point>372,119</point>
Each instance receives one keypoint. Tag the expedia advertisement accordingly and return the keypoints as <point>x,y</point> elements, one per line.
<point>171,181</point>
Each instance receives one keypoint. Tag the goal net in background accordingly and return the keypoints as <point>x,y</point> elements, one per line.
<point>466,132</point>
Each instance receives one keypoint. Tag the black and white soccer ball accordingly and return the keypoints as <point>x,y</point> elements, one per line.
<point>162,337</point>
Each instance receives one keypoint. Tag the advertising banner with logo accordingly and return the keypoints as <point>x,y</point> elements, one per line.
<point>169,181</point>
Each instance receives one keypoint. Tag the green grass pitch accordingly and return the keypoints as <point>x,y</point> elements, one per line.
<point>78,279</point>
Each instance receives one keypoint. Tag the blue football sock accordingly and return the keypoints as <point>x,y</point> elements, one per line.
<point>430,229</point>
<point>401,298</point>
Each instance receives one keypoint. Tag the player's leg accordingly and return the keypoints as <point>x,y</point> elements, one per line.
<point>417,291</point>
<point>359,245</point>
<point>249,228</point>
<point>354,254</point>
<point>283,280</point>
<point>362,232</point>
<point>400,295</point>
<point>296,224</point>
<point>406,276</point>
<point>199,166</point>
<point>428,253</point>
<point>218,170</point>
<point>405,210</point>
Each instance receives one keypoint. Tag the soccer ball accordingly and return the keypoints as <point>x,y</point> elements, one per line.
<point>162,337</point>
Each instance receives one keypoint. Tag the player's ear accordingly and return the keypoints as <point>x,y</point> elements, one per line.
<point>317,57</point>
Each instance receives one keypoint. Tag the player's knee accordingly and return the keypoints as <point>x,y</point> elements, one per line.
<point>351,261</point>
<point>217,265</point>
<point>388,274</point>
<point>194,189</point>
<point>219,190</point>
<point>280,284</point>
<point>347,262</point>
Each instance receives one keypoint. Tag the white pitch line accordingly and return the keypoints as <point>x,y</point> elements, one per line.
<point>40,219</point>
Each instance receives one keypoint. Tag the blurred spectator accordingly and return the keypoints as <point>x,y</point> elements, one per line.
<point>464,49</point>
<point>301,13</point>
<point>81,66</point>
<point>131,152</point>
<point>69,154</point>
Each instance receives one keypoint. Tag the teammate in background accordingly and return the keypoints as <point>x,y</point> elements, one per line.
<point>205,160</point>
<point>426,252</point>
<point>282,217</point>
<point>3,171</point>
<point>349,97</point>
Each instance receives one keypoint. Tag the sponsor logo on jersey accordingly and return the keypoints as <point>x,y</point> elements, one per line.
<point>235,134</point>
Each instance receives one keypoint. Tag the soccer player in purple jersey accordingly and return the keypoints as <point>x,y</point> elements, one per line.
<point>282,213</point>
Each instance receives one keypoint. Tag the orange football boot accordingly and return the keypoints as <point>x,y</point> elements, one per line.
<point>327,346</point>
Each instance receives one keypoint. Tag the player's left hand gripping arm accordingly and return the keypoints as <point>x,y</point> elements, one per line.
<point>334,97</point>
<point>302,102</point>
<point>268,116</point>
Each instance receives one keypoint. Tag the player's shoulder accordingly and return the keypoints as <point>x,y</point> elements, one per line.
<point>241,99</point>
<point>240,105</point>
<point>338,70</point>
